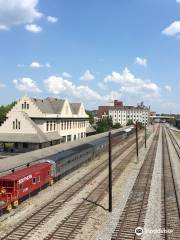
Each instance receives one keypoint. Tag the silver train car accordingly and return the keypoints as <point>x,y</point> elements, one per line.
<point>68,160</point>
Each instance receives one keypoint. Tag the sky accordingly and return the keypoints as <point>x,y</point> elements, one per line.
<point>91,51</point>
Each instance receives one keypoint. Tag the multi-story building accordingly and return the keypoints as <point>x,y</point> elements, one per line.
<point>36,123</point>
<point>123,114</point>
<point>103,111</point>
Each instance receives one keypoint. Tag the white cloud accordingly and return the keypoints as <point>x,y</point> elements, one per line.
<point>141,61</point>
<point>168,88</point>
<point>178,1</point>
<point>52,19</point>
<point>129,84</point>
<point>87,76</point>
<point>66,75</point>
<point>173,29</point>
<point>39,65</point>
<point>3,28</point>
<point>35,65</point>
<point>48,65</point>
<point>58,85</point>
<point>15,12</point>
<point>26,85</point>
<point>112,96</point>
<point>33,28</point>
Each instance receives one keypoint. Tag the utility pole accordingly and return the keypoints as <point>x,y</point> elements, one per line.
<point>137,147</point>
<point>145,135</point>
<point>110,173</point>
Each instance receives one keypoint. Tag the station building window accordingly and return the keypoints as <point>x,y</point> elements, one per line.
<point>47,126</point>
<point>68,138</point>
<point>25,145</point>
<point>16,124</point>
<point>51,126</point>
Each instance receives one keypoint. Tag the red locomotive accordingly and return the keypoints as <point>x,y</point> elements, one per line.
<point>19,184</point>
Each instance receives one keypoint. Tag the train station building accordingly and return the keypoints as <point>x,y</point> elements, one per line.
<point>37,123</point>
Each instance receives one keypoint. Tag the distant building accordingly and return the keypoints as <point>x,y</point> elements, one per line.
<point>36,123</point>
<point>103,111</point>
<point>123,114</point>
<point>152,113</point>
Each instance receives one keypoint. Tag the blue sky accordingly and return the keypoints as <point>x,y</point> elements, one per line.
<point>91,51</point>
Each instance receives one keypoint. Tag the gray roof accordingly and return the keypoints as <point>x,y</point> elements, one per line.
<point>75,107</point>
<point>28,137</point>
<point>90,129</point>
<point>49,105</point>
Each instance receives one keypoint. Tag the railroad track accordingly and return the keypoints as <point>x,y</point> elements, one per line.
<point>72,224</point>
<point>170,204</point>
<point>174,142</point>
<point>133,214</point>
<point>37,219</point>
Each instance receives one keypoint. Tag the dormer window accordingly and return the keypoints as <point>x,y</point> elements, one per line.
<point>25,105</point>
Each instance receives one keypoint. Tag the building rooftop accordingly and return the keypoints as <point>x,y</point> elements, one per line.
<point>54,105</point>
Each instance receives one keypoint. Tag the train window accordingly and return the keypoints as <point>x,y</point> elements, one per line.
<point>34,180</point>
<point>20,186</point>
<point>38,179</point>
<point>48,173</point>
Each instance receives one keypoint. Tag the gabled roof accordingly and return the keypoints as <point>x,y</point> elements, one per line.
<point>49,105</point>
<point>75,107</point>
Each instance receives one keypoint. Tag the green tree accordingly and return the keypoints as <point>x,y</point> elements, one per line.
<point>91,117</point>
<point>104,125</point>
<point>4,110</point>
<point>109,122</point>
<point>130,122</point>
<point>117,125</point>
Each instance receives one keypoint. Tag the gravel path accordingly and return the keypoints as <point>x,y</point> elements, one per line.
<point>52,223</point>
<point>101,224</point>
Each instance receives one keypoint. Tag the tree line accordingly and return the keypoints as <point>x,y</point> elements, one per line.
<point>4,109</point>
